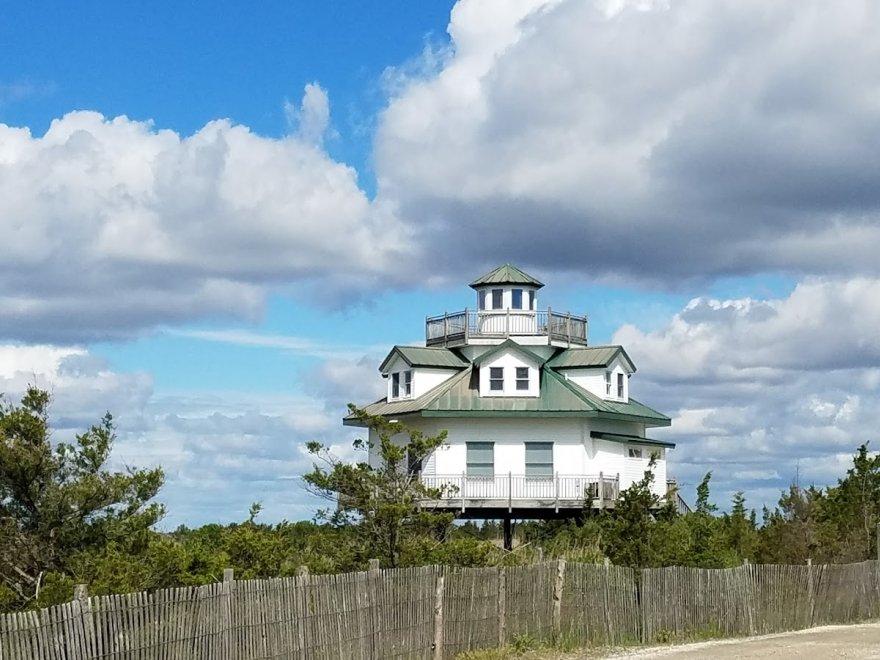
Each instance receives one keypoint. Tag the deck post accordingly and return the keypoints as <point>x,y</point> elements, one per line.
<point>601,491</point>
<point>617,495</point>
<point>510,492</point>
<point>508,534</point>
<point>568,325</point>
<point>463,478</point>
<point>467,325</point>
<point>507,324</point>
<point>445,329</point>
<point>549,324</point>
<point>556,482</point>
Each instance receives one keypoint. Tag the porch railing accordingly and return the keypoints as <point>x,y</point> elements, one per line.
<point>528,491</point>
<point>458,327</point>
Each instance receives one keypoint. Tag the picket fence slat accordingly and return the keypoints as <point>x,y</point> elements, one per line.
<point>396,613</point>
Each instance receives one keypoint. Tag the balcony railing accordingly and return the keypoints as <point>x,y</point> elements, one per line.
<point>518,490</point>
<point>457,328</point>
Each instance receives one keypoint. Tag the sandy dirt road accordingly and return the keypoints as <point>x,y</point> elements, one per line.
<point>856,642</point>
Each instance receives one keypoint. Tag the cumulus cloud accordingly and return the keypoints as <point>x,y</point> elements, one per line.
<point>766,391</point>
<point>221,451</point>
<point>111,226</point>
<point>650,141</point>
<point>311,119</point>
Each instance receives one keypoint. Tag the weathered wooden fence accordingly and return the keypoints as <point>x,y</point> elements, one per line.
<point>436,612</point>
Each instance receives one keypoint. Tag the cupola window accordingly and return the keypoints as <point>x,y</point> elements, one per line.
<point>516,299</point>
<point>497,298</point>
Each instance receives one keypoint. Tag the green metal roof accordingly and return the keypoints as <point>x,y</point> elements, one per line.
<point>460,397</point>
<point>506,274</point>
<point>619,437</point>
<point>591,356</point>
<point>422,356</point>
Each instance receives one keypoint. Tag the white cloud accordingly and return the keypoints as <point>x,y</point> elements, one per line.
<point>220,451</point>
<point>650,141</point>
<point>111,226</point>
<point>765,390</point>
<point>311,119</point>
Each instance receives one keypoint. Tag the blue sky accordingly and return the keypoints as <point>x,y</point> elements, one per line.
<point>217,222</point>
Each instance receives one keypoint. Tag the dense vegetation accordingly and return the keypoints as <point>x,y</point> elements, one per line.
<point>65,518</point>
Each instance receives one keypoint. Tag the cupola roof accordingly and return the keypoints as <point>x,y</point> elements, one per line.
<point>506,274</point>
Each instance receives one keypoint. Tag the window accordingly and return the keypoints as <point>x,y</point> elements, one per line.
<point>635,453</point>
<point>522,378</point>
<point>395,385</point>
<point>619,386</point>
<point>496,379</point>
<point>531,300</point>
<point>497,298</point>
<point>482,300</point>
<point>407,383</point>
<point>480,459</point>
<point>607,383</point>
<point>539,459</point>
<point>516,299</point>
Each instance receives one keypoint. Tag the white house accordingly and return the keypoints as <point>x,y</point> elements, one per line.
<point>537,419</point>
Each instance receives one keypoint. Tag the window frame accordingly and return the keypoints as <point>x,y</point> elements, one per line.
<point>607,383</point>
<point>395,385</point>
<point>621,388</point>
<point>479,468</point>
<point>520,381</point>
<point>493,379</point>
<point>634,452</point>
<point>516,299</point>
<point>407,383</point>
<point>541,469</point>
<point>500,301</point>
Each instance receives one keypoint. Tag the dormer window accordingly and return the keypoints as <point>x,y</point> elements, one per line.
<point>516,299</point>
<point>496,379</point>
<point>401,384</point>
<point>497,298</point>
<point>607,383</point>
<point>620,390</point>
<point>522,379</point>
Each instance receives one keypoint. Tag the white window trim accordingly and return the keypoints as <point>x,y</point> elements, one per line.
<point>496,380</point>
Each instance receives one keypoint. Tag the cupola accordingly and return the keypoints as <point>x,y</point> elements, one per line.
<point>506,288</point>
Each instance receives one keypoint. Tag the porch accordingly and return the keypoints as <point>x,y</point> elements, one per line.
<point>519,492</point>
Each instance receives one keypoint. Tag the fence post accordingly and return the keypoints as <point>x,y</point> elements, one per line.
<point>438,619</point>
<point>540,555</point>
<point>374,567</point>
<point>226,617</point>
<point>557,597</point>
<point>81,595</point>
<point>502,606</point>
<point>302,571</point>
<point>811,587</point>
<point>749,596</point>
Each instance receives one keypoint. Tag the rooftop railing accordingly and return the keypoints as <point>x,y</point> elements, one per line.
<point>459,327</point>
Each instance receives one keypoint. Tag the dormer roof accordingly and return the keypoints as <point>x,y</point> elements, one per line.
<point>511,345</point>
<point>591,357</point>
<point>506,274</point>
<point>425,356</point>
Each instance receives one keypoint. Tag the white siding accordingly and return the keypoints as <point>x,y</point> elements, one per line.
<point>509,360</point>
<point>593,380</point>
<point>575,453</point>
<point>424,379</point>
